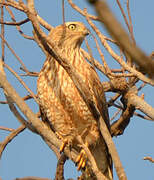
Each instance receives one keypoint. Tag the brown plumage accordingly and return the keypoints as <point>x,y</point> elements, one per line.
<point>60,102</point>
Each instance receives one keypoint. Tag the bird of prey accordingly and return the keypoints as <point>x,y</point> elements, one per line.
<point>61,105</point>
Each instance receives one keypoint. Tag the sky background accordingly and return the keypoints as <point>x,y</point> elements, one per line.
<point>27,154</point>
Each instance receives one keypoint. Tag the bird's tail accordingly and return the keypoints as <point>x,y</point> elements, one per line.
<point>102,158</point>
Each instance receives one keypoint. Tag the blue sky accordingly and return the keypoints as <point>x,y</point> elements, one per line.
<point>27,154</point>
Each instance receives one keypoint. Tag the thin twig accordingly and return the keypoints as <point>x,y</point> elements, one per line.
<point>18,115</point>
<point>130,23</point>
<point>29,73</point>
<point>63,11</point>
<point>22,82</point>
<point>6,128</point>
<point>2,31</point>
<point>17,26</point>
<point>13,52</point>
<point>16,5</point>
<point>142,116</point>
<point>115,114</point>
<point>96,63</point>
<point>74,6</point>
<point>142,86</point>
<point>9,138</point>
<point>15,23</point>
<point>123,14</point>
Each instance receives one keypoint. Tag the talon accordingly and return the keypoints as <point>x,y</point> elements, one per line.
<point>81,160</point>
<point>79,157</point>
<point>83,164</point>
<point>80,164</point>
<point>64,143</point>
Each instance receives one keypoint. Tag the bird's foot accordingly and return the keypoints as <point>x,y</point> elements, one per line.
<point>64,142</point>
<point>81,160</point>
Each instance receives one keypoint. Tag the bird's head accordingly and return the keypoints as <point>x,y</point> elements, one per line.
<point>70,34</point>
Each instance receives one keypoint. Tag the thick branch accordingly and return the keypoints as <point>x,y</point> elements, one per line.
<point>119,126</point>
<point>141,105</point>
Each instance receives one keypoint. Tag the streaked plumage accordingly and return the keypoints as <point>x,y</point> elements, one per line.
<point>60,101</point>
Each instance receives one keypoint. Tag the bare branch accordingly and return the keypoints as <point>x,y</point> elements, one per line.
<point>18,115</point>
<point>115,114</point>
<point>119,34</point>
<point>21,81</point>
<point>74,6</point>
<point>123,14</point>
<point>15,23</point>
<point>95,62</point>
<point>10,137</point>
<point>130,23</point>
<point>13,52</point>
<point>142,116</point>
<point>115,157</point>
<point>17,26</point>
<point>141,105</point>
<point>29,73</point>
<point>116,57</point>
<point>2,31</point>
<point>6,128</point>
<point>16,5</point>
<point>149,159</point>
<point>118,127</point>
<point>60,167</point>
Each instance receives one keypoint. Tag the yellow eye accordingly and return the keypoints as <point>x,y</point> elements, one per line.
<point>72,26</point>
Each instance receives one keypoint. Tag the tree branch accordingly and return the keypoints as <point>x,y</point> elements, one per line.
<point>149,159</point>
<point>141,105</point>
<point>60,167</point>
<point>9,138</point>
<point>119,34</point>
